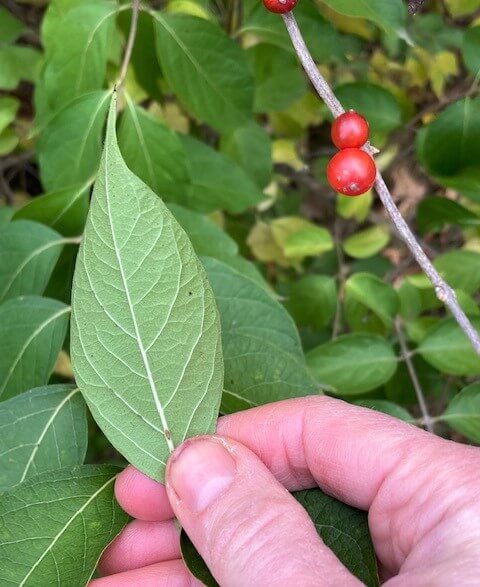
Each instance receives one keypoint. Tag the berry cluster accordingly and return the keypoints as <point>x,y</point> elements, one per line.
<point>351,171</point>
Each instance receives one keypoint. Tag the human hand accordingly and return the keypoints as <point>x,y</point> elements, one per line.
<point>230,494</point>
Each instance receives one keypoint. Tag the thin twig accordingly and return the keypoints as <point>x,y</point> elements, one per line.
<point>443,291</point>
<point>427,419</point>
<point>129,47</point>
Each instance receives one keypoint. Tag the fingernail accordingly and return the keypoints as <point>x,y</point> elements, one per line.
<point>201,472</point>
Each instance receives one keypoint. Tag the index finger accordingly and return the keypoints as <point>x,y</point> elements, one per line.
<point>346,450</point>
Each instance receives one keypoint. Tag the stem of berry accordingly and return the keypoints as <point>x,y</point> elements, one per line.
<point>444,292</point>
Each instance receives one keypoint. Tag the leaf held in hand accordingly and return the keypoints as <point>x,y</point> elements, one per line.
<point>146,347</point>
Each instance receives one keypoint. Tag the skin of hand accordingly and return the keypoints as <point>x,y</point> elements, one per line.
<point>231,494</point>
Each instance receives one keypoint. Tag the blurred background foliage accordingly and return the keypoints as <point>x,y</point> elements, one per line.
<point>218,118</point>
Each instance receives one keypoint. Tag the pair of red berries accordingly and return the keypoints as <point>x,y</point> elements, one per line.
<point>351,171</point>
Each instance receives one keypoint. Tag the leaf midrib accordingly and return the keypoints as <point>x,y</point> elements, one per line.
<point>26,261</point>
<point>50,421</point>
<point>34,334</point>
<point>90,41</point>
<point>193,61</point>
<point>64,528</point>
<point>146,363</point>
<point>83,142</point>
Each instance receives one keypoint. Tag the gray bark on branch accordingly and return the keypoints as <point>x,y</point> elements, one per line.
<point>443,291</point>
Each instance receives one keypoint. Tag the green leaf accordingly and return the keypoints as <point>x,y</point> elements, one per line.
<point>358,208</point>
<point>28,254</point>
<point>435,212</point>
<point>76,55</point>
<point>8,111</point>
<point>463,412</point>
<point>471,50</point>
<point>194,562</point>
<point>18,63</point>
<point>263,356</point>
<point>323,40</point>
<point>467,302</point>
<point>41,430</point>
<point>448,146</point>
<point>154,153</point>
<point>390,16</point>
<point>364,289</point>
<point>10,27</point>
<point>345,531</point>
<point>434,33</point>
<point>447,348</point>
<point>251,149</point>
<point>54,14</point>
<point>367,243</point>
<point>206,69</point>
<point>312,301</point>
<point>64,210</point>
<point>217,183</point>
<point>299,238</point>
<point>462,7</point>
<point>60,285</point>
<point>410,301</point>
<point>353,363</point>
<point>208,239</point>
<point>386,407</point>
<point>461,269</point>
<point>32,334</point>
<point>6,213</point>
<point>279,81</point>
<point>377,104</point>
<point>70,147</point>
<point>54,527</point>
<point>145,329</point>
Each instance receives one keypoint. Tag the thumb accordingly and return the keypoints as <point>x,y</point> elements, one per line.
<point>247,527</point>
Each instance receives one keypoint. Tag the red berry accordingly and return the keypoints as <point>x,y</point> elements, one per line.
<point>351,172</point>
<point>280,6</point>
<point>350,130</point>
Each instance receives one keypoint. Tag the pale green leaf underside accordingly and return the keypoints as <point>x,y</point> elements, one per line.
<point>145,345</point>
<point>41,430</point>
<point>32,334</point>
<point>54,527</point>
